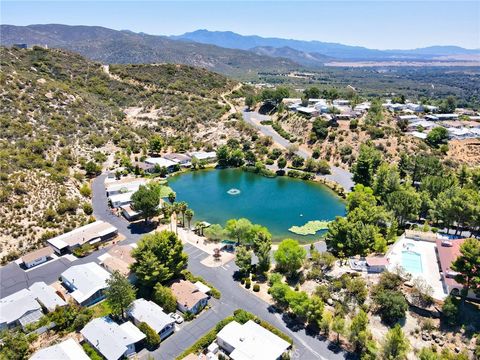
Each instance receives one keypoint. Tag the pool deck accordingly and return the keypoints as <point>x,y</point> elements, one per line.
<point>430,270</point>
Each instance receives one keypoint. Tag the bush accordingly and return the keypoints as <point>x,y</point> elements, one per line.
<point>248,283</point>
<point>274,278</point>
<point>91,352</point>
<point>391,305</point>
<point>450,311</point>
<point>152,339</point>
<point>256,288</point>
<point>87,208</point>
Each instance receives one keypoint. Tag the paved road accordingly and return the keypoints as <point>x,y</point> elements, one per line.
<point>338,175</point>
<point>233,295</point>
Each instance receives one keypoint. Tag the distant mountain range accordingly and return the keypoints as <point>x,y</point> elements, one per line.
<point>123,47</point>
<point>232,40</point>
<point>225,52</point>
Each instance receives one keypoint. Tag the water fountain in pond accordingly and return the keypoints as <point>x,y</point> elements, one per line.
<point>233,191</point>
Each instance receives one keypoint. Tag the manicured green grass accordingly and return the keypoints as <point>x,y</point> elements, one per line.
<point>101,309</point>
<point>310,228</point>
<point>165,190</point>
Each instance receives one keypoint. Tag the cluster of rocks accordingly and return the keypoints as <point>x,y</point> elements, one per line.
<point>439,339</point>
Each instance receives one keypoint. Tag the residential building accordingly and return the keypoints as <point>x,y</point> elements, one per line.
<point>19,309</point>
<point>119,200</point>
<point>86,282</point>
<point>146,311</point>
<point>431,108</point>
<point>124,185</point>
<point>66,350</point>
<point>409,117</point>
<point>180,159</point>
<point>448,251</point>
<point>161,162</point>
<point>130,214</point>
<point>308,111</point>
<point>415,107</point>
<point>111,340</point>
<point>91,233</point>
<point>418,134</point>
<point>447,116</point>
<point>430,118</point>
<point>189,298</point>
<point>118,258</point>
<point>208,156</point>
<point>251,341</point>
<point>46,296</point>
<point>148,168</point>
<point>37,257</point>
<point>341,102</point>
<point>376,264</point>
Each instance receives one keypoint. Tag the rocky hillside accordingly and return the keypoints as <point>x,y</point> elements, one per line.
<point>126,47</point>
<point>62,116</point>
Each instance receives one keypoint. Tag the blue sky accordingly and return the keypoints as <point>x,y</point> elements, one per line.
<point>375,24</point>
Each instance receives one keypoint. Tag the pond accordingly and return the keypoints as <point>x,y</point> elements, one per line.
<point>277,203</point>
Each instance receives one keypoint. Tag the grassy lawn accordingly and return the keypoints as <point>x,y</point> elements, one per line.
<point>101,309</point>
<point>165,190</point>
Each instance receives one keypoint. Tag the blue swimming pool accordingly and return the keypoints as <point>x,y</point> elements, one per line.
<point>412,262</point>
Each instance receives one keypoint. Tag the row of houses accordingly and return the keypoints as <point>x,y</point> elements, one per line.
<point>340,109</point>
<point>113,341</point>
<point>409,107</point>
<point>174,161</point>
<point>456,129</point>
<point>93,233</point>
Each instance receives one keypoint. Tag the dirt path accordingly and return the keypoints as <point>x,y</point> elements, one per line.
<point>233,109</point>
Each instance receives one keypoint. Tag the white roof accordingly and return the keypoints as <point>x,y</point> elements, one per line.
<point>203,155</point>
<point>82,234</point>
<point>86,279</point>
<point>66,350</point>
<point>307,110</point>
<point>122,197</point>
<point>424,123</point>
<point>15,306</point>
<point>202,287</point>
<point>419,134</point>
<point>132,185</point>
<point>46,295</point>
<point>151,313</point>
<point>109,338</point>
<point>162,162</point>
<point>252,342</point>
<point>408,117</point>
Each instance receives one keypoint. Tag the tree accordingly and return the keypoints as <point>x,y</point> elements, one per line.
<point>15,345</point>
<point>358,331</point>
<point>159,257</point>
<point>189,216</point>
<point>171,197</point>
<point>214,232</point>
<point>326,322</point>
<point>243,259</point>
<point>262,245</point>
<point>156,144</point>
<point>119,293</point>
<point>338,326</point>
<point>319,129</point>
<point>437,136</point>
<point>468,266</point>
<point>315,308</point>
<point>298,302</point>
<point>279,292</point>
<point>387,180</point>
<point>404,203</point>
<point>281,163</point>
<point>391,305</point>
<point>290,256</point>
<point>448,105</point>
<point>450,310</point>
<point>92,169</point>
<point>240,230</point>
<point>223,155</point>
<point>364,169</point>
<point>152,339</point>
<point>312,93</point>
<point>250,101</point>
<point>164,297</point>
<point>182,206</point>
<point>146,200</point>
<point>396,344</point>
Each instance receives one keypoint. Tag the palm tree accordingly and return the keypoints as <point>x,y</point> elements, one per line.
<point>167,211</point>
<point>189,215</point>
<point>182,207</point>
<point>171,197</point>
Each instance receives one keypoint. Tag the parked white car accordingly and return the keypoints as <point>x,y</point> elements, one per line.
<point>177,317</point>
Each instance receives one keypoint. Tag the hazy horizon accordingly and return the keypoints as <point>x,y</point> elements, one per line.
<point>379,25</point>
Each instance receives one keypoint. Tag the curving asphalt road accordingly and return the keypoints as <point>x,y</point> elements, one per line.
<point>338,175</point>
<point>306,346</point>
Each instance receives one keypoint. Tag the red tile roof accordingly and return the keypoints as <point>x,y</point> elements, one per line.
<point>448,251</point>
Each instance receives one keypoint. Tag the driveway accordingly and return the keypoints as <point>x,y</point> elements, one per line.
<point>338,175</point>
<point>234,296</point>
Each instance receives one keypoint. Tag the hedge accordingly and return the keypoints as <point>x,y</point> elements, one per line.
<point>91,352</point>
<point>240,316</point>
<point>194,278</point>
